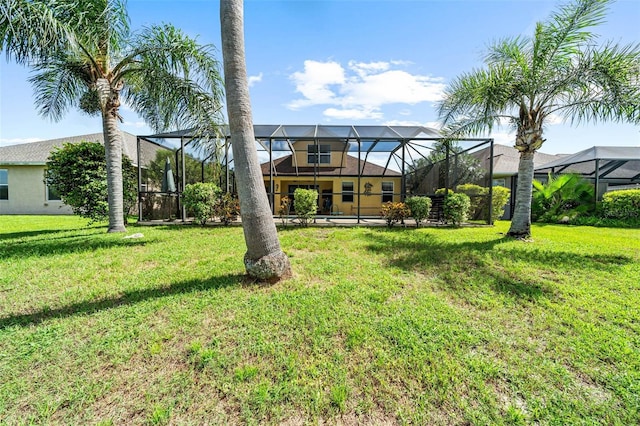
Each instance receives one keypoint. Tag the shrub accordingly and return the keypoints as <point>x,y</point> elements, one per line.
<point>621,204</point>
<point>564,195</point>
<point>305,203</point>
<point>227,209</point>
<point>419,208</point>
<point>200,199</point>
<point>394,212</point>
<point>479,196</point>
<point>442,191</point>
<point>456,208</point>
<point>78,173</point>
<point>285,209</point>
<point>500,199</point>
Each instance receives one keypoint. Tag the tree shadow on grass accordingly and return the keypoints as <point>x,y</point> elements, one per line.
<point>462,265</point>
<point>127,298</point>
<point>27,234</point>
<point>64,244</point>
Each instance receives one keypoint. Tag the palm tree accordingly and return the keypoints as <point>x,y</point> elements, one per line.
<point>560,71</point>
<point>85,56</point>
<point>264,260</point>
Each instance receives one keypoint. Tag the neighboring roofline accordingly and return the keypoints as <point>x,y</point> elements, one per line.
<point>568,160</point>
<point>21,163</point>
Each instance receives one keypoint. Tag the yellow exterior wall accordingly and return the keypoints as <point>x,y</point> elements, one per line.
<point>369,204</point>
<point>301,157</point>
<point>27,193</point>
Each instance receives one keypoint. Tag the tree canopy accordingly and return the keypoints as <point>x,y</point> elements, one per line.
<point>560,71</point>
<point>84,55</point>
<point>77,172</point>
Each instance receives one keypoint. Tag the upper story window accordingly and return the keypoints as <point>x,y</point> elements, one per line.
<point>320,154</point>
<point>4,184</point>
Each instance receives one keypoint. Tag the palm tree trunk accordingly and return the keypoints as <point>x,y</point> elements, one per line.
<point>264,259</point>
<point>521,221</point>
<point>113,157</point>
<point>109,103</point>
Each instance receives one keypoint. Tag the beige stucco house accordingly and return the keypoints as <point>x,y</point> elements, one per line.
<point>22,187</point>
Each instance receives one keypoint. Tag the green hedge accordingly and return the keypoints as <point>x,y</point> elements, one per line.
<point>621,204</point>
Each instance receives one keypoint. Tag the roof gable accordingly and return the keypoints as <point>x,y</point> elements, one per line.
<point>285,166</point>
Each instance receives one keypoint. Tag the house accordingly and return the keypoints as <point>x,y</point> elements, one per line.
<point>607,167</point>
<point>22,186</point>
<point>344,163</point>
<point>505,168</point>
<point>345,184</point>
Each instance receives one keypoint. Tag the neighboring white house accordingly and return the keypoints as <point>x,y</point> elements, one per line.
<point>22,186</point>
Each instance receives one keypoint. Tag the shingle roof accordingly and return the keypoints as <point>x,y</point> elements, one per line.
<point>506,159</point>
<point>285,166</point>
<point>613,162</point>
<point>37,153</point>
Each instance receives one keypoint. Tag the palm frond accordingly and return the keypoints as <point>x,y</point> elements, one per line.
<point>513,51</point>
<point>475,102</point>
<point>32,30</point>
<point>167,101</point>
<point>606,85</point>
<point>58,85</point>
<point>568,29</point>
<point>172,81</point>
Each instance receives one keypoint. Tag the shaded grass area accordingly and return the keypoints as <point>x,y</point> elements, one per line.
<point>377,326</point>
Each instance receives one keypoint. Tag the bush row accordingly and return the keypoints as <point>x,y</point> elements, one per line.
<point>469,202</point>
<point>569,199</point>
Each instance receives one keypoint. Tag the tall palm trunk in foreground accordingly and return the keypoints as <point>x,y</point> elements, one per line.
<point>264,259</point>
<point>109,102</point>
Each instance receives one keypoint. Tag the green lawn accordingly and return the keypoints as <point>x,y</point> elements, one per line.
<point>378,326</point>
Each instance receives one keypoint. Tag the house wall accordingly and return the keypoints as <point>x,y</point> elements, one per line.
<point>301,152</point>
<point>27,193</point>
<point>331,187</point>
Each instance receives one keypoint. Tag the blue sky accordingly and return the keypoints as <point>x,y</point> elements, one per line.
<point>344,62</point>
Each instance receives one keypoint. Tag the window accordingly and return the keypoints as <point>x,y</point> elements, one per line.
<point>323,157</point>
<point>347,192</point>
<point>52,194</point>
<point>499,182</point>
<point>387,191</point>
<point>4,184</point>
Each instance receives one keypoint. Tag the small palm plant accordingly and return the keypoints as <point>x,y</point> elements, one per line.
<point>566,195</point>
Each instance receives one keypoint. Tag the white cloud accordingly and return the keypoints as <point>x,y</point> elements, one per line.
<point>315,81</point>
<point>430,124</point>
<point>16,141</point>
<point>363,69</point>
<point>253,79</point>
<point>352,114</point>
<point>361,90</point>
